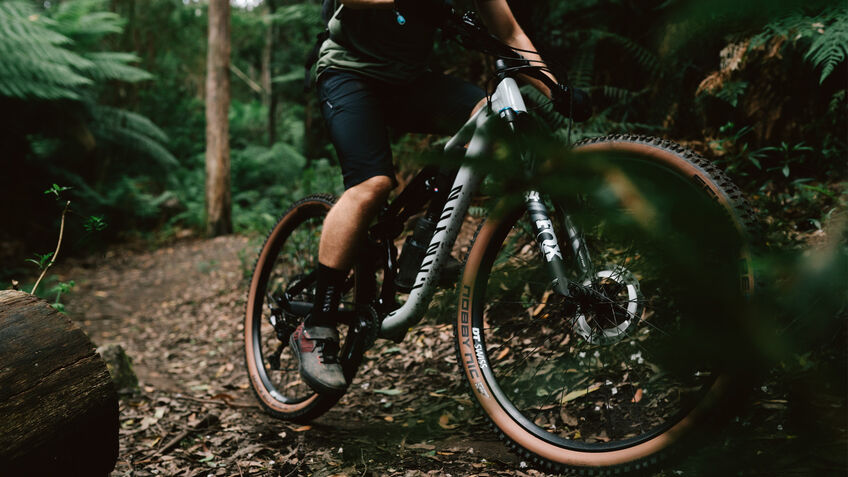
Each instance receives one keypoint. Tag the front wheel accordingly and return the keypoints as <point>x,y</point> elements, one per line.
<point>607,380</point>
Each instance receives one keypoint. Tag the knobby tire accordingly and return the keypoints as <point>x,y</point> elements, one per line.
<point>494,365</point>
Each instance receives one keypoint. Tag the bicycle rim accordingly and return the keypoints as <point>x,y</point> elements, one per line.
<point>599,385</point>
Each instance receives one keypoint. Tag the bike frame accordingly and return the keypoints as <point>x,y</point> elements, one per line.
<point>506,103</point>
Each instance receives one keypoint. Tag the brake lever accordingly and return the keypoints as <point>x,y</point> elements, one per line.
<point>470,32</point>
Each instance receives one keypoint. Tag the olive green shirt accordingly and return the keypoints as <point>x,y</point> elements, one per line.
<point>372,42</point>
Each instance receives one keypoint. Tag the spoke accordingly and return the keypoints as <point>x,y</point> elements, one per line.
<point>539,367</point>
<point>653,326</point>
<point>613,363</point>
<point>526,356</point>
<point>557,395</point>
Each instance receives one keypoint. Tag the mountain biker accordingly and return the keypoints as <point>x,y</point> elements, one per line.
<point>372,74</point>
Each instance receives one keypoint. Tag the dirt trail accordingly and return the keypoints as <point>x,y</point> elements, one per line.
<point>178,310</point>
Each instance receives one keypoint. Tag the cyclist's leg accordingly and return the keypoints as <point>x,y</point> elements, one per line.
<point>357,126</point>
<point>357,129</point>
<point>349,218</point>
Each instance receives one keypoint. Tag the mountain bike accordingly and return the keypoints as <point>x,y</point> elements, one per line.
<point>577,305</point>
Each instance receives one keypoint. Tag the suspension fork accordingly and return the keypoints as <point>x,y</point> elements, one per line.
<point>548,243</point>
<point>578,246</point>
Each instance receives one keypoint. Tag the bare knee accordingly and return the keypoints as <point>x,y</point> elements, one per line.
<point>371,192</point>
<point>479,105</point>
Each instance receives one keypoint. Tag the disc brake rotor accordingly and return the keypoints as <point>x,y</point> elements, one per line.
<point>616,311</point>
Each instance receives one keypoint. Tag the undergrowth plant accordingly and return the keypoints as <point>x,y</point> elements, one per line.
<point>823,36</point>
<point>46,260</point>
<point>57,121</point>
<point>56,54</point>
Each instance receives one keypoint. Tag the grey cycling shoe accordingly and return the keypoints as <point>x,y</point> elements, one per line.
<point>317,350</point>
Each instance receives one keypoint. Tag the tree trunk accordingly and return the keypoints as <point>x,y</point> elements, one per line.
<point>218,196</point>
<point>58,406</point>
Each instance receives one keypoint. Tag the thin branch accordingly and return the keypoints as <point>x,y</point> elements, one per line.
<point>249,82</point>
<point>56,253</point>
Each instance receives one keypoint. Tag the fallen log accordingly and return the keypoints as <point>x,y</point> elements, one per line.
<point>58,406</point>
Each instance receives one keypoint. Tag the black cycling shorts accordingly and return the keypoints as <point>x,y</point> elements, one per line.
<point>359,110</point>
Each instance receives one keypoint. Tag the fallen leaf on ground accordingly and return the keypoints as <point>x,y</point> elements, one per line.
<point>421,445</point>
<point>444,421</point>
<point>541,306</point>
<point>388,392</point>
<point>580,393</point>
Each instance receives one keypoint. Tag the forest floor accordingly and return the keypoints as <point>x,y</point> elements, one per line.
<point>178,310</point>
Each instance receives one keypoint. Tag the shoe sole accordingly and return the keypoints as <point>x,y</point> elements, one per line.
<point>316,386</point>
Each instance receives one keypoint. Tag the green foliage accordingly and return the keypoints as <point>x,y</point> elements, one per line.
<point>42,261</point>
<point>61,288</point>
<point>732,91</point>
<point>56,189</point>
<point>825,34</point>
<point>47,55</point>
<point>95,223</point>
<point>36,61</point>
<point>113,95</point>
<point>57,120</point>
<point>265,181</point>
<point>130,132</point>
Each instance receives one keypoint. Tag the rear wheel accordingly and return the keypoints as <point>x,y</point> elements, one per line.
<point>610,378</point>
<point>280,295</point>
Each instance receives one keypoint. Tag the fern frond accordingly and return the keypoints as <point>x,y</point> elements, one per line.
<point>543,107</point>
<point>23,75</point>
<point>113,65</point>
<point>582,69</point>
<point>828,33</point>
<point>619,94</point>
<point>127,138</point>
<point>830,48</point>
<point>121,118</point>
<point>95,24</point>
<point>644,57</point>
<point>127,129</point>
<point>36,63</point>
<point>20,20</point>
<point>41,52</point>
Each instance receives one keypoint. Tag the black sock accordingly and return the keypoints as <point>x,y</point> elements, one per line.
<point>328,294</point>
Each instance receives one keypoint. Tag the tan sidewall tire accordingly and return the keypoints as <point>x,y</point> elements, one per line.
<point>674,158</point>
<point>269,403</point>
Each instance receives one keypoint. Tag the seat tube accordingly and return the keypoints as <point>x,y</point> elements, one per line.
<point>547,241</point>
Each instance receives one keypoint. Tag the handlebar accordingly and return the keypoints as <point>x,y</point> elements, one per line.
<point>468,31</point>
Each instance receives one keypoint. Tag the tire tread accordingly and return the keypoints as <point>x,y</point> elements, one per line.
<point>741,209</point>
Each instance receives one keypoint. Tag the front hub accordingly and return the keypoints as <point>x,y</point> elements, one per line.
<point>610,306</point>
